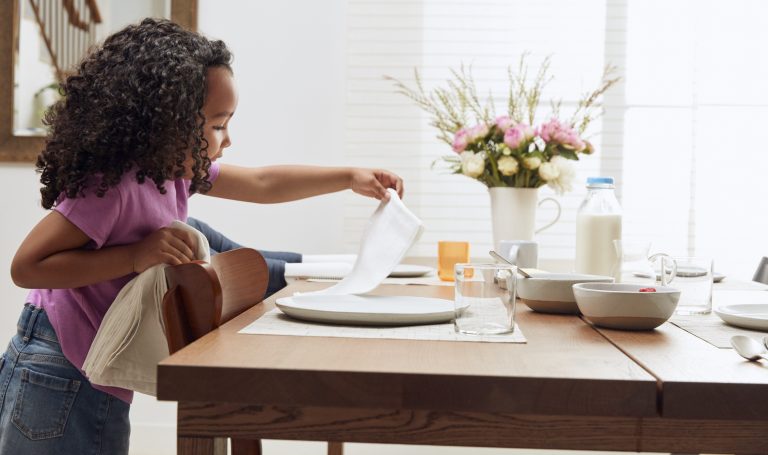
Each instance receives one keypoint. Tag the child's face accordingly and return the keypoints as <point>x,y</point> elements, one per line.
<point>220,105</point>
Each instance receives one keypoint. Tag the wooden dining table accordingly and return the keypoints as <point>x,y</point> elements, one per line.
<point>570,386</point>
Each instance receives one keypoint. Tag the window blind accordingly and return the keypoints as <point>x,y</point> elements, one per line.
<point>681,132</point>
<point>385,129</point>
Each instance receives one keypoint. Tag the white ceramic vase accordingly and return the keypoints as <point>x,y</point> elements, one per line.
<point>513,213</point>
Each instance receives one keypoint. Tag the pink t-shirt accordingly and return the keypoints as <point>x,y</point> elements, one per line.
<point>126,214</point>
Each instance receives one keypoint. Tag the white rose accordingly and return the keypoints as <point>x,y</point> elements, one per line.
<point>566,175</point>
<point>472,164</point>
<point>548,171</point>
<point>503,149</point>
<point>508,165</point>
<point>532,162</point>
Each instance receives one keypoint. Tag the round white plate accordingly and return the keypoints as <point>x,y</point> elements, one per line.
<point>368,309</point>
<point>747,315</point>
<point>410,271</point>
<point>716,277</point>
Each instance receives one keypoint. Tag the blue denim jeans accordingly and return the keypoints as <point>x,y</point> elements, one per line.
<point>47,406</point>
<point>276,260</point>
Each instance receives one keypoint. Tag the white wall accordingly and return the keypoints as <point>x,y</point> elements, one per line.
<point>290,67</point>
<point>20,209</point>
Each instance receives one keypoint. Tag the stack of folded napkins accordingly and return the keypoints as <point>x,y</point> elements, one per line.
<point>320,266</point>
<point>131,339</point>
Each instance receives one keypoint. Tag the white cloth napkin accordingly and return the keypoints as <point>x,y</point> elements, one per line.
<point>389,234</point>
<point>131,338</point>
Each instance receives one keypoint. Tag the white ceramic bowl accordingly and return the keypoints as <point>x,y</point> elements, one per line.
<point>553,292</point>
<point>623,306</point>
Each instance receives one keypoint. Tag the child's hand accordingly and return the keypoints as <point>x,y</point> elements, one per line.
<point>165,246</point>
<point>374,183</point>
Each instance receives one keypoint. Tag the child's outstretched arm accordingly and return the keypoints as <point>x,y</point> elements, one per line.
<point>274,184</point>
<point>52,256</point>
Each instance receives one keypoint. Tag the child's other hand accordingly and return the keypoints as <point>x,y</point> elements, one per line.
<point>374,183</point>
<point>165,246</point>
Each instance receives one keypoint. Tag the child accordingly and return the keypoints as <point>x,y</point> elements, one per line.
<point>143,120</point>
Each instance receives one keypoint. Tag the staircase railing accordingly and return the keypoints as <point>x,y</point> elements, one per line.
<point>68,28</point>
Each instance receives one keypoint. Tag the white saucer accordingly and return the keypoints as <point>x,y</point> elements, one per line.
<point>368,309</point>
<point>747,315</point>
<point>410,271</point>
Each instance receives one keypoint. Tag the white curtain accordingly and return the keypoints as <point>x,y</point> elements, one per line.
<point>681,132</point>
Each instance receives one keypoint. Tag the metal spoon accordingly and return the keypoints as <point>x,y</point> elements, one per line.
<point>504,260</point>
<point>748,348</point>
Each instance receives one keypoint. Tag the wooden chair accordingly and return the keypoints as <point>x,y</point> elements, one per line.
<point>203,296</point>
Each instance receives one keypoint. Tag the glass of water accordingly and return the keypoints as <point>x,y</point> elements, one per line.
<point>694,279</point>
<point>485,298</point>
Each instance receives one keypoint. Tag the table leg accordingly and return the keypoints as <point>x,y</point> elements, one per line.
<point>335,448</point>
<point>201,446</point>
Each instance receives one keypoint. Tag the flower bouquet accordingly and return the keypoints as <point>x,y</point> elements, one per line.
<point>509,150</point>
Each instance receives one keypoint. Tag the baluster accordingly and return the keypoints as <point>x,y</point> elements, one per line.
<point>59,28</point>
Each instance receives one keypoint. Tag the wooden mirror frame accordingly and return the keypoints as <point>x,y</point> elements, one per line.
<point>26,148</point>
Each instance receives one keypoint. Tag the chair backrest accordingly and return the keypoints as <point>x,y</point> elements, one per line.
<point>203,296</point>
<point>244,278</point>
<point>761,274</point>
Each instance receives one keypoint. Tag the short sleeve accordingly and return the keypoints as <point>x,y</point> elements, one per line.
<point>95,216</point>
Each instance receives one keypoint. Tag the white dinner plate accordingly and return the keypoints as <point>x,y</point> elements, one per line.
<point>716,277</point>
<point>410,271</point>
<point>367,309</point>
<point>747,315</point>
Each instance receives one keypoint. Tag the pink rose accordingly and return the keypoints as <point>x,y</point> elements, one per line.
<point>478,132</point>
<point>513,138</point>
<point>528,130</point>
<point>556,132</point>
<point>504,123</point>
<point>460,140</point>
<point>517,135</point>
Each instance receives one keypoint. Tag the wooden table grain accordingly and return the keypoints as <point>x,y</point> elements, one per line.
<point>570,386</point>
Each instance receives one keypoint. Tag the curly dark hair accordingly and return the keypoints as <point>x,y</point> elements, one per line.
<point>135,102</point>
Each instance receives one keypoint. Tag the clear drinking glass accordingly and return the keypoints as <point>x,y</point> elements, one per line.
<point>634,265</point>
<point>485,298</point>
<point>694,279</point>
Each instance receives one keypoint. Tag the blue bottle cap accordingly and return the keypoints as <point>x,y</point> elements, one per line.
<point>599,180</point>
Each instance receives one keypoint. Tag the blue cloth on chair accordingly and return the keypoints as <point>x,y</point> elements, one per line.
<point>276,260</point>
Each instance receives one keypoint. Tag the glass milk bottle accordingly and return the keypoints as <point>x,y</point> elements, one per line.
<point>598,224</point>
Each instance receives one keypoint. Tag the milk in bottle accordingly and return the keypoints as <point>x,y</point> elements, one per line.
<point>598,224</point>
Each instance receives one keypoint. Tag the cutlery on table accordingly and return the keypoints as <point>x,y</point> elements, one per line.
<point>748,348</point>
<point>504,260</point>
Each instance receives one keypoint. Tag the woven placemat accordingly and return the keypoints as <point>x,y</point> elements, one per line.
<point>712,329</point>
<point>276,323</point>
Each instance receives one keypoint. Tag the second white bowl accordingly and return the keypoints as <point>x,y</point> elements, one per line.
<point>623,306</point>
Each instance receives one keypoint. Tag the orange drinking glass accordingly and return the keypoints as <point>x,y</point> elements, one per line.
<point>448,255</point>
